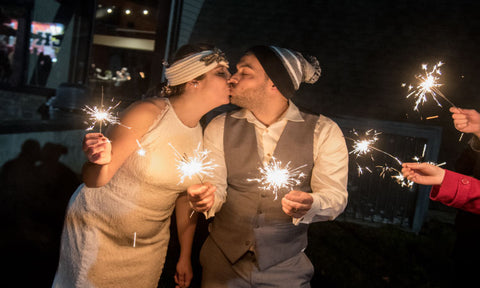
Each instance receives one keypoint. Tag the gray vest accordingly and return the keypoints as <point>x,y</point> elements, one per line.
<point>250,214</point>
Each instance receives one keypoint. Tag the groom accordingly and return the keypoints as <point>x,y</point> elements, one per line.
<point>255,240</point>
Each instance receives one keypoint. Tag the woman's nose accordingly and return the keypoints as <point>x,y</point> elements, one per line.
<point>232,80</point>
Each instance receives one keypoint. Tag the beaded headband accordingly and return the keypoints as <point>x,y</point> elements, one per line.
<point>194,65</point>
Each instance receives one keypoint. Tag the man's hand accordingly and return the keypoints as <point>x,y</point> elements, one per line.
<point>297,203</point>
<point>201,196</point>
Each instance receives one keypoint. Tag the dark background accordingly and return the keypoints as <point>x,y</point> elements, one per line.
<point>366,49</point>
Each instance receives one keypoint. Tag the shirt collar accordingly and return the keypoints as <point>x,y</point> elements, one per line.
<point>291,114</point>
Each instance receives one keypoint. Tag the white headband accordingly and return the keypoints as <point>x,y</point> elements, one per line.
<point>194,65</point>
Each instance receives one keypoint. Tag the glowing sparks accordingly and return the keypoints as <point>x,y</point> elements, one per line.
<point>102,115</point>
<point>365,146</point>
<point>428,85</point>
<point>198,164</point>
<point>274,177</point>
<point>402,181</point>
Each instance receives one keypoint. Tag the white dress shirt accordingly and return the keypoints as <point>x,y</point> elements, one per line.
<point>330,169</point>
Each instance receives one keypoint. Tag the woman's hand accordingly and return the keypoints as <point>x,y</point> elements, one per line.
<point>423,173</point>
<point>201,196</point>
<point>97,148</point>
<point>184,273</point>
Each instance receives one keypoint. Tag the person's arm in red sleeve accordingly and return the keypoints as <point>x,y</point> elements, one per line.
<point>459,191</point>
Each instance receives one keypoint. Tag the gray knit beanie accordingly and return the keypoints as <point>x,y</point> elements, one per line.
<point>287,68</point>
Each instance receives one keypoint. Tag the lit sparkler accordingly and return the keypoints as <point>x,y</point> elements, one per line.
<point>429,84</point>
<point>274,177</point>
<point>365,146</point>
<point>402,181</point>
<point>102,115</point>
<point>198,164</point>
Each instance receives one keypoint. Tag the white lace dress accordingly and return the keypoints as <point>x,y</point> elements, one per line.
<point>117,235</point>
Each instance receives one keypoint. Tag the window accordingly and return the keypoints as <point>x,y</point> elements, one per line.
<point>123,48</point>
<point>42,43</point>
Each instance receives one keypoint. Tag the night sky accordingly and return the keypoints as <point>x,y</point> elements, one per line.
<point>366,49</point>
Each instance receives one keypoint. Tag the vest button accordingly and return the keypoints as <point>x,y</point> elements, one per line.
<point>247,243</point>
<point>263,194</point>
<point>465,181</point>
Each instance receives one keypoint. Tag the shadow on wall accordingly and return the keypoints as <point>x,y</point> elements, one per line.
<point>35,190</point>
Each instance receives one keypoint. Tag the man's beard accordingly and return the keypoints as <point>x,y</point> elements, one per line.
<point>249,98</point>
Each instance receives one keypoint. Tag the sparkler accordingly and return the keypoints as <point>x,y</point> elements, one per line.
<point>198,164</point>
<point>365,146</point>
<point>402,181</point>
<point>429,84</point>
<point>274,177</point>
<point>106,116</point>
<point>102,115</point>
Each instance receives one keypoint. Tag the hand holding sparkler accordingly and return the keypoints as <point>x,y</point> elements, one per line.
<point>201,196</point>
<point>423,173</point>
<point>297,203</point>
<point>466,120</point>
<point>274,176</point>
<point>97,148</point>
<point>428,84</point>
<point>198,165</point>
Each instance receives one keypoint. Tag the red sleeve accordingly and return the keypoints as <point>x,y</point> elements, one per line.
<point>459,191</point>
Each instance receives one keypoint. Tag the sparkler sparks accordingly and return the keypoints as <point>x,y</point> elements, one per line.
<point>274,177</point>
<point>429,84</point>
<point>402,181</point>
<point>102,115</point>
<point>365,146</point>
<point>198,164</point>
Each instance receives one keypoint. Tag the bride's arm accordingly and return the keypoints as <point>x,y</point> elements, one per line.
<point>123,141</point>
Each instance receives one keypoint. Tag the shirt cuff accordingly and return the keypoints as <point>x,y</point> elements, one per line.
<point>215,207</point>
<point>308,217</point>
